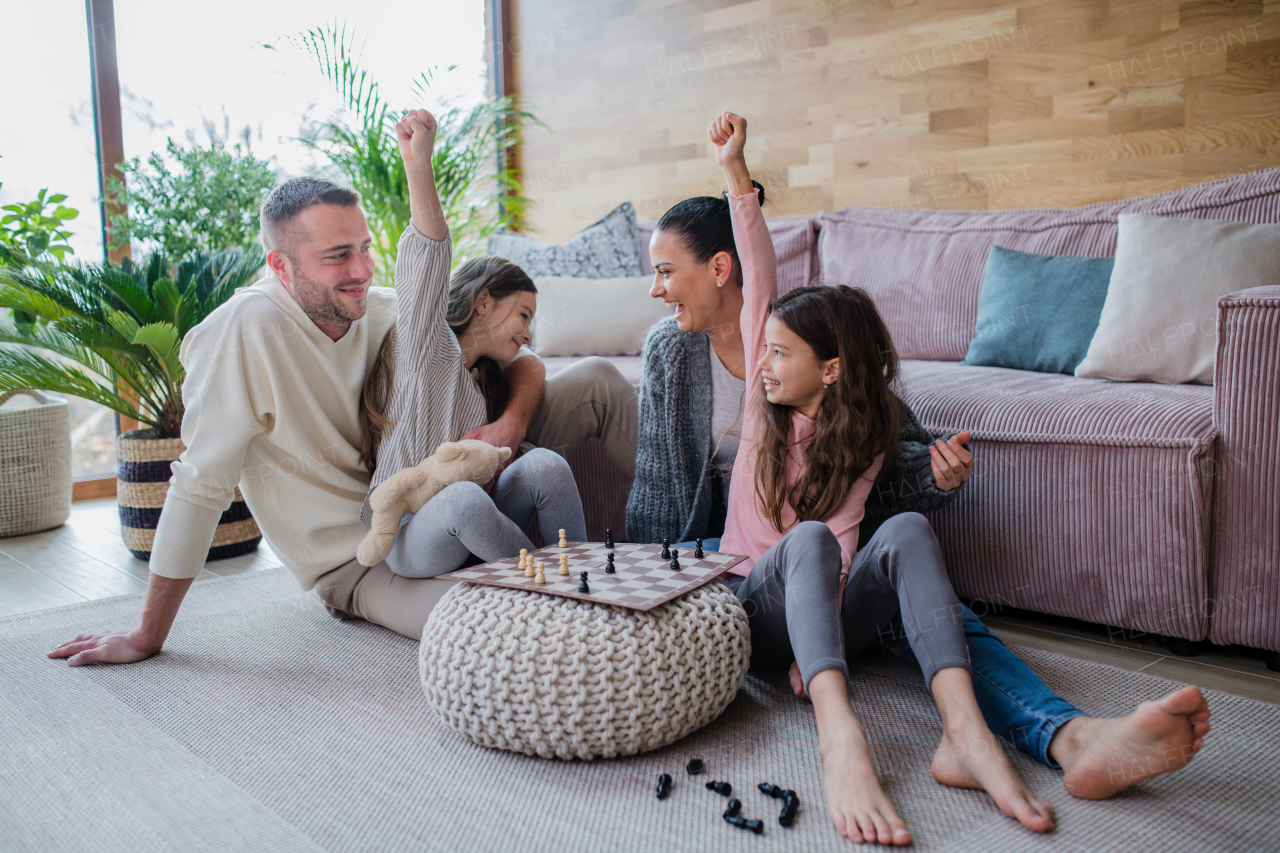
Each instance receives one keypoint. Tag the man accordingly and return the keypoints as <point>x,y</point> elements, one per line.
<point>272,403</point>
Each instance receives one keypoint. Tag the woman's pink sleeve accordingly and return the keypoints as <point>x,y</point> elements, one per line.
<point>759,273</point>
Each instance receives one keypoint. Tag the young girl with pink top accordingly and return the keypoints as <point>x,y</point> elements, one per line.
<point>821,417</point>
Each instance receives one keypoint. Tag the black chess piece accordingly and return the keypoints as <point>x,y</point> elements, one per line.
<point>735,806</point>
<point>695,766</point>
<point>666,548</point>
<point>608,538</point>
<point>675,561</point>
<point>724,789</point>
<point>756,826</point>
<point>582,587</point>
<point>664,786</point>
<point>772,790</point>
<point>697,552</point>
<point>608,565</point>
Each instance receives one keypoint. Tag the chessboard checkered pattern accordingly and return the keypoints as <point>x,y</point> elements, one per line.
<point>642,581</point>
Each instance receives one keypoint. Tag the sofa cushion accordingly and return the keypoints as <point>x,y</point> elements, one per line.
<point>1160,317</point>
<point>1038,312</point>
<point>604,249</point>
<point>1088,499</point>
<point>924,268</point>
<point>594,316</point>
<point>794,241</point>
<point>999,404</point>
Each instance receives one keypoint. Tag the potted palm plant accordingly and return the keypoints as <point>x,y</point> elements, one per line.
<point>111,334</point>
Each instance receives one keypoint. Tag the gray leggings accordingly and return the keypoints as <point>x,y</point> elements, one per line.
<point>463,521</point>
<point>790,599</point>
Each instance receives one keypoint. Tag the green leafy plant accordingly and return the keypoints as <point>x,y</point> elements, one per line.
<point>478,196</point>
<point>30,232</point>
<point>192,200</point>
<point>111,333</point>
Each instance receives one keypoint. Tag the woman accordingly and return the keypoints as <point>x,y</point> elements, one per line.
<point>694,364</point>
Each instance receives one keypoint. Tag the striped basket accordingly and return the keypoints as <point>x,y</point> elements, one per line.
<point>142,485</point>
<point>35,464</point>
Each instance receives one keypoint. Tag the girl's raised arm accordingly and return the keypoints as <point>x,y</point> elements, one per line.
<point>416,134</point>
<point>728,133</point>
<point>422,267</point>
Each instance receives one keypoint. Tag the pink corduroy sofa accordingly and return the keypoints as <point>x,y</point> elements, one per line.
<point>1152,508</point>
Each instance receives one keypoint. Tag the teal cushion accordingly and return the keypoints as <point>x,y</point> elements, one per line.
<point>1038,312</point>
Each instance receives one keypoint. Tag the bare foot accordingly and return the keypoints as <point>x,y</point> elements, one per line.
<point>1100,757</point>
<point>797,683</point>
<point>973,759</point>
<point>855,800</point>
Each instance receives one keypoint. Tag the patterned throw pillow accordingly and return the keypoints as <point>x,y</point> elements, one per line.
<point>609,248</point>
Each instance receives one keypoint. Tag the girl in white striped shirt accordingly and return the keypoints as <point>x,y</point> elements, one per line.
<point>448,344</point>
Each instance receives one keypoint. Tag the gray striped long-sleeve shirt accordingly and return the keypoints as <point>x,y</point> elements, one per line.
<point>434,398</point>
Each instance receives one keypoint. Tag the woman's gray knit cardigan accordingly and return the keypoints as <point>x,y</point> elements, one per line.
<point>675,485</point>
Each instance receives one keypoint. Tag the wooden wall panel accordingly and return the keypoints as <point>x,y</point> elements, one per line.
<point>930,104</point>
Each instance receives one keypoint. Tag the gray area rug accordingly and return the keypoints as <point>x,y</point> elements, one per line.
<point>268,725</point>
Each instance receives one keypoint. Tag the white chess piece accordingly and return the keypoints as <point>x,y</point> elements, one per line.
<point>563,543</point>
<point>528,567</point>
<point>564,564</point>
<point>541,577</point>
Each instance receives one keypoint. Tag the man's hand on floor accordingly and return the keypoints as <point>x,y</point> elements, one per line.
<point>113,647</point>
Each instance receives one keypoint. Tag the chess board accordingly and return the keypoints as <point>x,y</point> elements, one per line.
<point>642,581</point>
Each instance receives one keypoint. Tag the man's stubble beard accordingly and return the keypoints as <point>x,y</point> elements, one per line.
<point>319,303</point>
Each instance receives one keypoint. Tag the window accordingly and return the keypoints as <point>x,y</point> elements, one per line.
<point>231,71</point>
<point>194,73</point>
<point>47,140</point>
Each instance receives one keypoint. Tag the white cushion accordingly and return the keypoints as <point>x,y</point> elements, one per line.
<point>1159,321</point>
<point>594,316</point>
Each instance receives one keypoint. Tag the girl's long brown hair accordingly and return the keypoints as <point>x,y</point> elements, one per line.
<point>859,418</point>
<point>497,275</point>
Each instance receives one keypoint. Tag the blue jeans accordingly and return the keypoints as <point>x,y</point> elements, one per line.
<point>1016,704</point>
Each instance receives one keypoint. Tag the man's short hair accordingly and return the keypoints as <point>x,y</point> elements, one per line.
<point>287,201</point>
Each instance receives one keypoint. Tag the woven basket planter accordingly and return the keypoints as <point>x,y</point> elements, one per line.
<point>141,487</point>
<point>556,677</point>
<point>35,464</point>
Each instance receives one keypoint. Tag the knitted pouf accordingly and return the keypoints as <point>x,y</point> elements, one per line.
<point>557,677</point>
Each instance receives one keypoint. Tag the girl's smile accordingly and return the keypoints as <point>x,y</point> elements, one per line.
<point>790,371</point>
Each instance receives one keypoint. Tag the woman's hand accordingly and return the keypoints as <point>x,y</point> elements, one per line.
<point>952,464</point>
<point>728,134</point>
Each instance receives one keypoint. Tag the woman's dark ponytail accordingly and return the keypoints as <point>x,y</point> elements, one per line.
<point>704,226</point>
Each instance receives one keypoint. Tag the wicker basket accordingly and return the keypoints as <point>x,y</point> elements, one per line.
<point>35,464</point>
<point>141,487</point>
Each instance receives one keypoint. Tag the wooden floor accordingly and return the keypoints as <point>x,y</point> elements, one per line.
<point>85,560</point>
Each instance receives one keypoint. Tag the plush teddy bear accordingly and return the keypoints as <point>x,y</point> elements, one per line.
<point>406,491</point>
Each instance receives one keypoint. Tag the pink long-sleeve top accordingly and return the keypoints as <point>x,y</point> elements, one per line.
<point>748,530</point>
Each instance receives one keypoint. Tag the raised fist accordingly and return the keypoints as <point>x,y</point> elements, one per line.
<point>728,134</point>
<point>416,133</point>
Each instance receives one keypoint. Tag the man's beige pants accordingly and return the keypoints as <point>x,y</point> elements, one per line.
<point>589,398</point>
